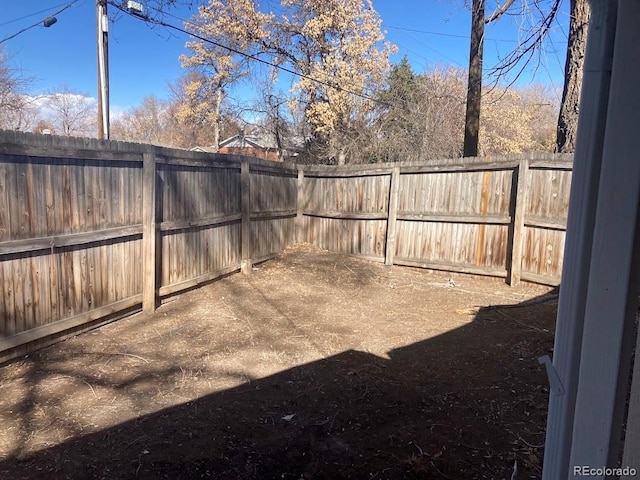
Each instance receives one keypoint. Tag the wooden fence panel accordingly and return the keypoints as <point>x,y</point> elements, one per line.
<point>455,219</point>
<point>196,253</point>
<point>71,229</point>
<point>542,255</point>
<point>199,218</point>
<point>548,194</point>
<point>270,236</point>
<point>361,194</point>
<point>456,193</point>
<point>62,218</point>
<point>451,244</point>
<point>364,238</point>
<point>347,214</point>
<point>273,192</point>
<point>196,192</point>
<point>451,216</point>
<point>48,196</point>
<point>73,236</point>
<point>273,206</point>
<point>545,224</point>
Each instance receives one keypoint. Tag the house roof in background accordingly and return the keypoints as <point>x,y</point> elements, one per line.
<point>265,140</point>
<point>257,139</point>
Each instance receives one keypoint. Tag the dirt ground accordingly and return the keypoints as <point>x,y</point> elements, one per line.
<point>315,366</point>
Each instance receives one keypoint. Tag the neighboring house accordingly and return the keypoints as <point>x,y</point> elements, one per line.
<point>262,146</point>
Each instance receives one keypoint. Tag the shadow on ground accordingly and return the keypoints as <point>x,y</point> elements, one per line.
<point>466,404</point>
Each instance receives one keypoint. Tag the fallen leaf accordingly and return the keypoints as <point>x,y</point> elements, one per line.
<point>467,311</point>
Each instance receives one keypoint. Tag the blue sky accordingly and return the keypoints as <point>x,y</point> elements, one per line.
<point>143,60</point>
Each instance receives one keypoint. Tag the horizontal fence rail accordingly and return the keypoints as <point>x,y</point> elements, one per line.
<point>91,230</point>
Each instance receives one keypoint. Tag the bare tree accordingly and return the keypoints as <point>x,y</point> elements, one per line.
<point>72,113</point>
<point>44,127</point>
<point>543,13</point>
<point>273,116</point>
<point>146,123</point>
<point>430,124</point>
<point>17,109</point>
<point>195,118</point>
<point>442,115</point>
<point>423,116</point>
<point>22,115</point>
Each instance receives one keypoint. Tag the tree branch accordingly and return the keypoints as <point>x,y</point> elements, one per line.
<point>499,11</point>
<point>526,50</point>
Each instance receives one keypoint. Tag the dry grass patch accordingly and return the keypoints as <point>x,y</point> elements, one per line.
<point>315,366</point>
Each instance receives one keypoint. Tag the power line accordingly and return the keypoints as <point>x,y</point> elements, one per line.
<point>148,19</point>
<point>442,34</point>
<point>426,64</point>
<point>403,48</point>
<point>435,50</point>
<point>31,14</point>
<point>37,23</point>
<point>43,21</point>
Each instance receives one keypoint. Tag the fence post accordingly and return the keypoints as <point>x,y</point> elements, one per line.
<point>245,196</point>
<point>149,230</point>
<point>518,222</point>
<point>394,188</point>
<point>300,208</point>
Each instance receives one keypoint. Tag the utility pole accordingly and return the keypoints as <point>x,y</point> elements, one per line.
<point>103,69</point>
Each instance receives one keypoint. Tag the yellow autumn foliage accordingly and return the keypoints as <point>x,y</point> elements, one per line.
<point>336,46</point>
<point>516,121</point>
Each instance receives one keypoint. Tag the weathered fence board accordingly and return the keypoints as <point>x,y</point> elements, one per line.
<point>548,193</point>
<point>68,245</point>
<point>198,251</point>
<point>456,193</point>
<point>457,243</point>
<point>392,218</point>
<point>362,194</point>
<point>347,214</point>
<point>271,236</point>
<point>274,198</point>
<point>41,288</point>
<point>199,215</point>
<point>66,196</point>
<point>189,193</point>
<point>273,192</point>
<point>545,222</point>
<point>542,253</point>
<point>364,238</point>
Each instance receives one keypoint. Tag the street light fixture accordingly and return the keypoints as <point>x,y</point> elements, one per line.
<point>49,21</point>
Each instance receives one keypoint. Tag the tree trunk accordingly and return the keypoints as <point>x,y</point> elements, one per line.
<point>217,125</point>
<point>474,88</point>
<point>568,118</point>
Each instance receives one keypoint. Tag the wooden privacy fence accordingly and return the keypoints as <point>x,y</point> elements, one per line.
<point>504,217</point>
<point>90,229</point>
